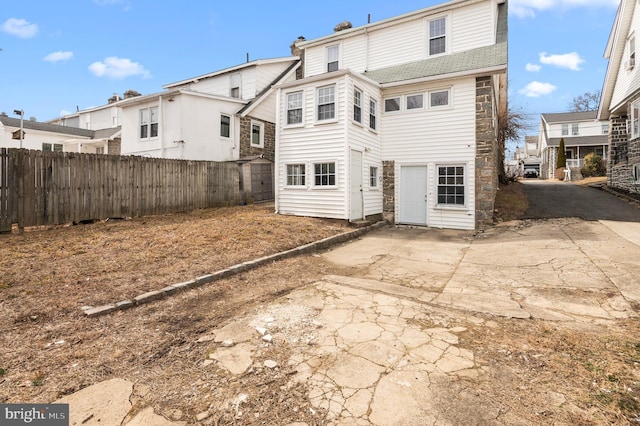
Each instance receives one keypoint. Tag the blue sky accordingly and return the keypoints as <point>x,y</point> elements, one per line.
<point>57,57</point>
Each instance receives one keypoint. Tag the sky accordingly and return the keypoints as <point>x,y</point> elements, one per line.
<point>57,57</point>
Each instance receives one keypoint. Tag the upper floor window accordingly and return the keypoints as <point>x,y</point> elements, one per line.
<point>333,55</point>
<point>575,129</point>
<point>415,101</point>
<point>392,104</point>
<point>357,106</point>
<point>565,130</point>
<point>635,116</point>
<point>437,36</point>
<point>294,108</point>
<point>605,128</point>
<point>235,86</point>
<point>439,98</point>
<point>326,103</point>
<point>373,112</point>
<point>149,123</point>
<point>257,134</point>
<point>225,126</point>
<point>632,53</point>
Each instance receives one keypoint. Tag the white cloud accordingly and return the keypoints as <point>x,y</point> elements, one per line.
<point>20,28</point>
<point>528,8</point>
<point>570,61</point>
<point>118,68</point>
<point>532,67</point>
<point>535,89</point>
<point>58,56</point>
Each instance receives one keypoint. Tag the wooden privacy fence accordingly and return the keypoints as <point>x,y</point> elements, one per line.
<point>49,188</point>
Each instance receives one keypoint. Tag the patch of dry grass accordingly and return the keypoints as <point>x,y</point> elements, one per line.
<point>511,202</point>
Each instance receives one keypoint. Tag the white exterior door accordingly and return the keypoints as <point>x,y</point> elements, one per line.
<point>413,195</point>
<point>355,211</point>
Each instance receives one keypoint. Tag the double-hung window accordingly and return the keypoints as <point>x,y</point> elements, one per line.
<point>451,185</point>
<point>149,123</point>
<point>257,134</point>
<point>575,129</point>
<point>357,106</point>
<point>565,130</point>
<point>324,174</point>
<point>373,114</point>
<point>326,103</point>
<point>333,58</point>
<point>225,126</point>
<point>296,175</point>
<point>373,177</point>
<point>635,117</point>
<point>294,108</point>
<point>437,36</point>
<point>632,53</point>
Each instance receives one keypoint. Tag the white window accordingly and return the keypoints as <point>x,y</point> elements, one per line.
<point>575,129</point>
<point>257,134</point>
<point>324,174</point>
<point>440,98</point>
<point>333,58</point>
<point>605,128</point>
<point>225,126</point>
<point>437,36</point>
<point>635,114</point>
<point>295,175</point>
<point>149,123</point>
<point>632,53</point>
<point>49,147</point>
<point>373,177</point>
<point>415,101</point>
<point>357,106</point>
<point>373,114</point>
<point>451,186</point>
<point>326,103</point>
<point>235,86</point>
<point>565,130</point>
<point>294,108</point>
<point>392,105</point>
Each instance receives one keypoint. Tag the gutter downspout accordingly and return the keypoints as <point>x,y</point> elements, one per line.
<point>161,126</point>
<point>276,163</point>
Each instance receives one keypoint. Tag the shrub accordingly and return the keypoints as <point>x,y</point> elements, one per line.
<point>561,161</point>
<point>593,166</point>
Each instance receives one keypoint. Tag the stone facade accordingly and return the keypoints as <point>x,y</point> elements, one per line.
<point>247,150</point>
<point>620,163</point>
<point>388,190</point>
<point>486,152</point>
<point>113,146</point>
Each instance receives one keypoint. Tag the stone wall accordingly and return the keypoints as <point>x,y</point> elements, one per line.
<point>247,150</point>
<point>619,167</point>
<point>486,152</point>
<point>388,190</point>
<point>113,146</point>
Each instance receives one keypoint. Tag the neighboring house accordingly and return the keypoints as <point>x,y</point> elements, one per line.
<point>583,134</point>
<point>53,137</point>
<point>532,154</point>
<point>397,117</point>
<point>620,101</point>
<point>227,115</point>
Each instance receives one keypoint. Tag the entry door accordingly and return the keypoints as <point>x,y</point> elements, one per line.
<point>355,212</point>
<point>261,182</point>
<point>413,195</point>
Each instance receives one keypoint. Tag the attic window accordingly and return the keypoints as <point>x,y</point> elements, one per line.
<point>437,36</point>
<point>333,54</point>
<point>235,86</point>
<point>632,53</point>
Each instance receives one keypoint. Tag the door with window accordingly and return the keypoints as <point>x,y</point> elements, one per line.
<point>413,195</point>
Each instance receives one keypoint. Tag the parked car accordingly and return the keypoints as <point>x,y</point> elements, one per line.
<point>530,173</point>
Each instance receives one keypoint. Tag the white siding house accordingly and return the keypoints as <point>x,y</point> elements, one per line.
<point>620,101</point>
<point>403,114</point>
<point>582,133</point>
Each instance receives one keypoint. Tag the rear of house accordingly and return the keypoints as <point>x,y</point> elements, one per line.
<point>414,131</point>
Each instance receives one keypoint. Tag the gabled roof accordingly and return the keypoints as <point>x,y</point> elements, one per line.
<point>256,101</point>
<point>570,117</point>
<point>46,127</point>
<point>231,69</point>
<point>493,57</point>
<point>580,140</point>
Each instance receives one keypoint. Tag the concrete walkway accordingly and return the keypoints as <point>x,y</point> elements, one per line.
<point>387,336</point>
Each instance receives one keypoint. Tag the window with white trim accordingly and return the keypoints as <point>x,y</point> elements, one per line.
<point>437,36</point>
<point>333,58</point>
<point>575,129</point>
<point>392,104</point>
<point>324,174</point>
<point>296,175</point>
<point>257,134</point>
<point>225,126</point>
<point>234,92</point>
<point>326,103</point>
<point>52,147</point>
<point>440,98</point>
<point>605,128</point>
<point>635,116</point>
<point>357,105</point>
<point>373,177</point>
<point>451,185</point>
<point>632,53</point>
<point>415,101</point>
<point>294,108</point>
<point>149,123</point>
<point>565,130</point>
<point>373,114</point>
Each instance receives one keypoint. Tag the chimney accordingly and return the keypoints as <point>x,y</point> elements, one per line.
<point>131,94</point>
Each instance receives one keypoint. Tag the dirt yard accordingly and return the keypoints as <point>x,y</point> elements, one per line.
<point>48,349</point>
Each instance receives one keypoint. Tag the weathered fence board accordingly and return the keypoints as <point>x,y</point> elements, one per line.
<point>49,188</point>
